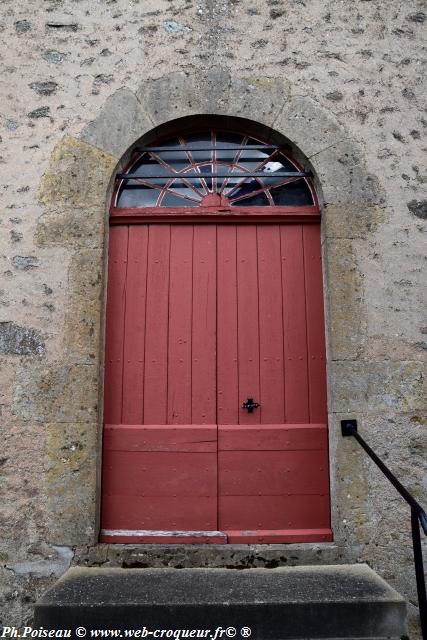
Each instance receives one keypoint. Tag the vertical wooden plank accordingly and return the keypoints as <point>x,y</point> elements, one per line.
<point>315,323</point>
<point>204,326</point>
<point>294,324</point>
<point>227,376</point>
<point>180,311</point>
<point>156,339</point>
<point>272,408</point>
<point>134,339</point>
<point>248,325</point>
<point>116,300</point>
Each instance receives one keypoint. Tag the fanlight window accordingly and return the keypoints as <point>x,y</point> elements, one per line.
<point>213,168</point>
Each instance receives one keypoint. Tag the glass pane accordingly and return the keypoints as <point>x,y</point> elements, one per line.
<point>134,195</point>
<point>171,200</point>
<point>252,158</point>
<point>201,141</point>
<point>236,176</point>
<point>224,157</point>
<point>249,186</point>
<point>182,189</point>
<point>178,160</point>
<point>295,193</point>
<point>149,167</point>
<point>207,168</point>
<point>227,140</point>
<point>259,200</point>
<point>276,165</point>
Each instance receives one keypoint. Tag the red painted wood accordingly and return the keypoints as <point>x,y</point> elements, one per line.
<point>204,326</point>
<point>184,438</point>
<point>116,298</point>
<point>268,474</point>
<point>294,325</point>
<point>272,437</point>
<point>247,323</point>
<point>180,320</point>
<point>246,473</point>
<point>270,326</point>
<point>159,513</point>
<point>216,215</point>
<point>156,339</point>
<point>160,473</point>
<point>134,331</point>
<point>255,512</point>
<point>227,375</point>
<point>279,536</point>
<point>315,324</point>
<point>160,477</point>
<point>210,304</point>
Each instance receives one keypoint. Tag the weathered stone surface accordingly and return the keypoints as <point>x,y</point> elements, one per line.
<point>351,222</point>
<point>310,126</point>
<point>83,314</point>
<point>346,311</point>
<point>119,124</point>
<point>25,263</point>
<point>56,392</point>
<point>419,209</point>
<point>56,565</point>
<point>377,386</point>
<point>171,96</point>
<point>182,94</point>
<point>70,479</point>
<point>285,603</point>
<point>23,341</point>
<point>341,172</point>
<point>71,227</point>
<point>78,175</point>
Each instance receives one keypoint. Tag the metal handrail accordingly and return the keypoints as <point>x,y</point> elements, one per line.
<point>418,516</point>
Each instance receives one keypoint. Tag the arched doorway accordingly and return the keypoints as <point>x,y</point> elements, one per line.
<point>215,388</point>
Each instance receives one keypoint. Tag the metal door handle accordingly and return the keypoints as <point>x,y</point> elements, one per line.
<point>250,405</point>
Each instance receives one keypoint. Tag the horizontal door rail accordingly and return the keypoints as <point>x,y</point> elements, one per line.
<point>418,517</point>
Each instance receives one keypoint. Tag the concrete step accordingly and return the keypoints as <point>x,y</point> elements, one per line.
<point>342,601</point>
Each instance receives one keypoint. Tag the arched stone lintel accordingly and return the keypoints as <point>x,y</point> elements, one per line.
<point>322,142</point>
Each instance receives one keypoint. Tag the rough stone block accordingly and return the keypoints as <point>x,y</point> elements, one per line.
<point>388,385</point>
<point>70,479</point>
<point>83,312</point>
<point>344,179</point>
<point>78,175</point>
<point>56,392</point>
<point>353,221</point>
<point>300,602</point>
<point>118,125</point>
<point>346,311</point>
<point>71,227</point>
<point>308,125</point>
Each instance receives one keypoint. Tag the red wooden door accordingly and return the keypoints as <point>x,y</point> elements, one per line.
<point>200,318</point>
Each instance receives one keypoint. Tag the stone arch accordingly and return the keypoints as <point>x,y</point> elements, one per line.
<point>74,192</point>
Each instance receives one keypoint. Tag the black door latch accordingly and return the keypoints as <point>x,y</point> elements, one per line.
<point>250,405</point>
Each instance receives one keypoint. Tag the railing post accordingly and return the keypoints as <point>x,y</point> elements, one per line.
<point>419,572</point>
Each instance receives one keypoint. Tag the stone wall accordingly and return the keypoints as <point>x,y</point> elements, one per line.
<point>84,81</point>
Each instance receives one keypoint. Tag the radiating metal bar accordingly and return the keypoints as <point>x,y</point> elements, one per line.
<point>191,176</point>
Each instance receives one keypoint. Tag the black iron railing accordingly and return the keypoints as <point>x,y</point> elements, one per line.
<point>418,517</point>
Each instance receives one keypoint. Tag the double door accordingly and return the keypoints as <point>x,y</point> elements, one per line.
<point>202,319</point>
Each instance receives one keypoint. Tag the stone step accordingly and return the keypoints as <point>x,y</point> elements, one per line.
<point>340,601</point>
